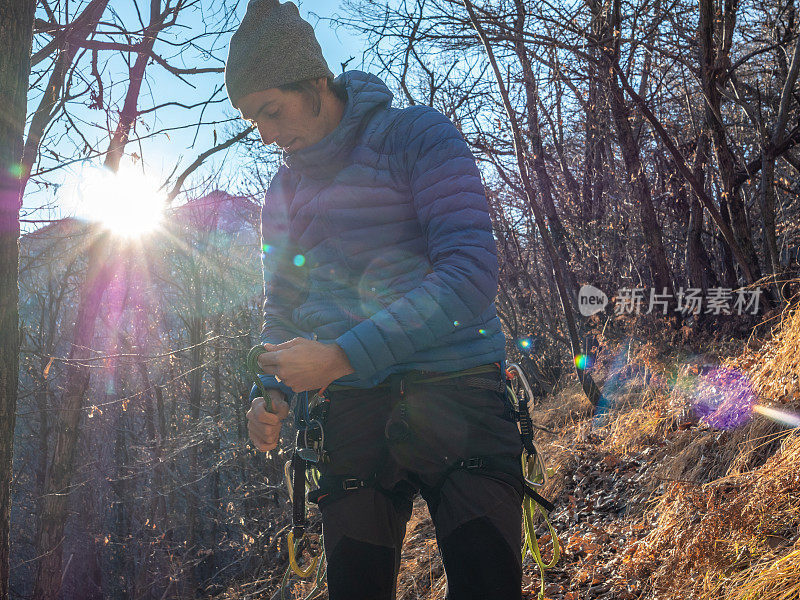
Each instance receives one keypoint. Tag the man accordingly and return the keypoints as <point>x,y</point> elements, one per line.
<point>380,271</point>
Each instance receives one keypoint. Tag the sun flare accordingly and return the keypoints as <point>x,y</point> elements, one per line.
<point>127,203</point>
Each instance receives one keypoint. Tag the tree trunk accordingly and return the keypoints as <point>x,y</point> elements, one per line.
<point>100,269</point>
<point>651,230</point>
<point>543,180</point>
<point>16,33</point>
<point>769,154</point>
<point>196,335</point>
<point>122,581</point>
<point>660,273</point>
<point>698,266</point>
<point>48,571</point>
<point>128,115</point>
<point>215,479</point>
<point>767,198</point>
<point>587,382</point>
<point>714,61</point>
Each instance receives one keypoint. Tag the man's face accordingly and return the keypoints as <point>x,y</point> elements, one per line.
<point>284,118</point>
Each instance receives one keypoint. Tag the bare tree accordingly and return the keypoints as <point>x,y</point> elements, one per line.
<point>99,273</point>
<point>16,32</point>
<point>589,386</point>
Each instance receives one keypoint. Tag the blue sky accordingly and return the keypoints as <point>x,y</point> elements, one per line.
<point>337,46</point>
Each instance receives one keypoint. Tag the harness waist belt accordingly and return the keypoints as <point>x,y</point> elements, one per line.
<point>468,376</point>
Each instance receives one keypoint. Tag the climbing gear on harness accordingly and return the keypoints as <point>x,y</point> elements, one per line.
<point>534,475</point>
<point>293,547</point>
<point>317,564</point>
<point>299,471</point>
<point>303,468</point>
<point>310,416</point>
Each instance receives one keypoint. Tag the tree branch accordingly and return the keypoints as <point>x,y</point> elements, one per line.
<point>200,159</point>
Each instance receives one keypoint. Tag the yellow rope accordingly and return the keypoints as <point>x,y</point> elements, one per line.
<point>299,571</point>
<point>534,471</point>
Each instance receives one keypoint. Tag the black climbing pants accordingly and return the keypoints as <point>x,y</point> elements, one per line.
<point>403,442</point>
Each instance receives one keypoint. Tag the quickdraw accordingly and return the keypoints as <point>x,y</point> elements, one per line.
<point>301,472</point>
<point>535,475</point>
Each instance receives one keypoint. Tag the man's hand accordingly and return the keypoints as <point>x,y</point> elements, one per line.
<point>305,364</point>
<point>265,427</point>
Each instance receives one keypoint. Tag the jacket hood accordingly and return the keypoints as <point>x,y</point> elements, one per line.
<point>365,95</point>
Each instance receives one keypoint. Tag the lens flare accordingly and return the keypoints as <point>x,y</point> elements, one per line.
<point>299,260</point>
<point>124,202</point>
<point>524,343</point>
<point>779,416</point>
<point>723,398</point>
<point>584,361</point>
<point>613,385</point>
<point>16,170</point>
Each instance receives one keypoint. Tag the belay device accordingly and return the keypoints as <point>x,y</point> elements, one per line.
<point>302,471</point>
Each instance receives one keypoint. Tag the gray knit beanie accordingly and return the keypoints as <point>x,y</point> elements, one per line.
<point>272,47</point>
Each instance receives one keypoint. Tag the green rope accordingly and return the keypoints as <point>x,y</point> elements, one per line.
<point>319,577</point>
<point>255,371</point>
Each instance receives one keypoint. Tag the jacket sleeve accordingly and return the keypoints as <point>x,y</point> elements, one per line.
<point>285,278</point>
<point>452,210</point>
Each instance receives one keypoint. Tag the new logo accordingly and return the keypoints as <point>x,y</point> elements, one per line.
<point>591,300</point>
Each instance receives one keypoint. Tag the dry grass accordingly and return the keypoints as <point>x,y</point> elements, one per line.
<point>775,368</point>
<point>708,537</point>
<point>564,412</point>
<point>725,518</point>
<point>634,429</point>
<point>727,525</point>
<point>778,580</point>
<point>725,521</point>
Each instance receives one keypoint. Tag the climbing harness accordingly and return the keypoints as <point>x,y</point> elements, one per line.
<point>302,470</point>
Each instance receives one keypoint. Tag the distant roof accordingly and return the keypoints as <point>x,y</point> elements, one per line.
<point>219,210</point>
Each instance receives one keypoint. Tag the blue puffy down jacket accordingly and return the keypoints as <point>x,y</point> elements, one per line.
<point>378,238</point>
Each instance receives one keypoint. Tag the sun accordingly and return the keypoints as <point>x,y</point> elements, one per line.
<point>126,203</point>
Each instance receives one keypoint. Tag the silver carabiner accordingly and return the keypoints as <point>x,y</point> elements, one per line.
<point>311,452</point>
